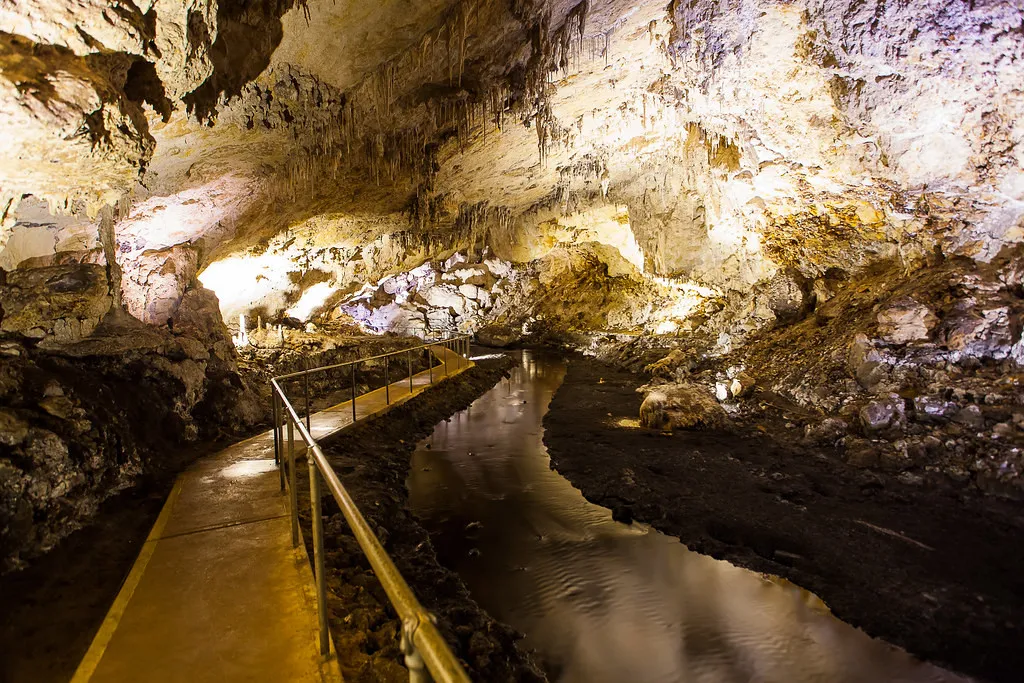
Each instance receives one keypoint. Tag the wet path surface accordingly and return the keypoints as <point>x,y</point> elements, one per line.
<point>603,601</point>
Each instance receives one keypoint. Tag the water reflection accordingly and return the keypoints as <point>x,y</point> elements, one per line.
<point>602,601</point>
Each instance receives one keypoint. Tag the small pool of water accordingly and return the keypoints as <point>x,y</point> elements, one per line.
<point>604,601</point>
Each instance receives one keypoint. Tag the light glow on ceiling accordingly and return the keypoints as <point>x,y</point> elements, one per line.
<point>311,301</point>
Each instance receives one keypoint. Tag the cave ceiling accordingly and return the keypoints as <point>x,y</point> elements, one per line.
<point>736,138</point>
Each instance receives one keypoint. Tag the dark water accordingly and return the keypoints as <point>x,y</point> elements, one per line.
<point>603,601</point>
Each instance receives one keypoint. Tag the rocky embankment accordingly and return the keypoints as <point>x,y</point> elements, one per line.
<point>915,376</point>
<point>91,398</point>
<point>275,351</point>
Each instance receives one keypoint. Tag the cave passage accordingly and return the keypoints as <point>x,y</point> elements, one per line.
<point>600,600</point>
<point>784,240</point>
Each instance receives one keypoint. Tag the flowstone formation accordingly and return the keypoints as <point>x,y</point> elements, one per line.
<point>636,179</point>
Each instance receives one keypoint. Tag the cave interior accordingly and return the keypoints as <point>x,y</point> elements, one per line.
<point>796,227</point>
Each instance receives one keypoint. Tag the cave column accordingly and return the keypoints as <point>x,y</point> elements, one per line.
<point>108,241</point>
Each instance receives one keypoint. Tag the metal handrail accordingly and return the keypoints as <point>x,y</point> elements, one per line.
<point>292,375</point>
<point>426,652</point>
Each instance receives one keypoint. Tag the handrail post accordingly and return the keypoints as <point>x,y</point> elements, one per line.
<point>305,377</point>
<point>426,654</point>
<point>279,430</point>
<point>418,672</point>
<point>276,418</point>
<point>387,383</point>
<point>293,495</point>
<point>318,552</point>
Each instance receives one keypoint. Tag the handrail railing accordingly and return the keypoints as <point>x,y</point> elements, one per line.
<point>426,652</point>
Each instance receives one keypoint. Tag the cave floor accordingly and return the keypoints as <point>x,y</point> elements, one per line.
<point>218,592</point>
<point>934,568</point>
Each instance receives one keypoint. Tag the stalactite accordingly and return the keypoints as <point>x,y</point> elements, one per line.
<point>367,126</point>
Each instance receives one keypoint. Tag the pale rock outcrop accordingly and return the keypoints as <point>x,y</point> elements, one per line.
<point>81,26</point>
<point>154,282</point>
<point>70,132</point>
<point>185,32</point>
<point>905,320</point>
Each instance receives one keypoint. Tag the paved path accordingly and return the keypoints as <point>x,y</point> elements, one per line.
<point>218,593</point>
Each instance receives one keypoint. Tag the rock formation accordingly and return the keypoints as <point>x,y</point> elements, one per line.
<point>819,199</point>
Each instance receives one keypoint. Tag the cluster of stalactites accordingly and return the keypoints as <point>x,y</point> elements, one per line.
<point>389,130</point>
<point>384,131</point>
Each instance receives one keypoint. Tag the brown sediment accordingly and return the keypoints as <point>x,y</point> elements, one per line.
<point>932,569</point>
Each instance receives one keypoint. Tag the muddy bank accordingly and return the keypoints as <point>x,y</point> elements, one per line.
<point>934,570</point>
<point>373,462</point>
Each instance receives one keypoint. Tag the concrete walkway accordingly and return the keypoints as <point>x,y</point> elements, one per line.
<point>218,593</point>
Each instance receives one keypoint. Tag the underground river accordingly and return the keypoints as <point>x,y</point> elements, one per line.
<point>599,600</point>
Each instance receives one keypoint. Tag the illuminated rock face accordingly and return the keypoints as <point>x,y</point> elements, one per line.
<point>737,138</point>
<point>607,169</point>
<point>729,141</point>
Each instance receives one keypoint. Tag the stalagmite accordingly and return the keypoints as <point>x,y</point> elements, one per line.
<point>242,338</point>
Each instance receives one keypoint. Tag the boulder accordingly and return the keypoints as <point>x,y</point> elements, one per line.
<point>666,367</point>
<point>784,297</point>
<point>498,335</point>
<point>681,406</point>
<point>60,407</point>
<point>13,429</point>
<point>65,302</point>
<point>933,409</point>
<point>865,362</point>
<point>829,431</point>
<point>883,415</point>
<point>444,297</point>
<point>905,320</point>
<point>198,316</point>
<point>742,384</point>
<point>970,417</point>
<point>980,332</point>
<point>862,453</point>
